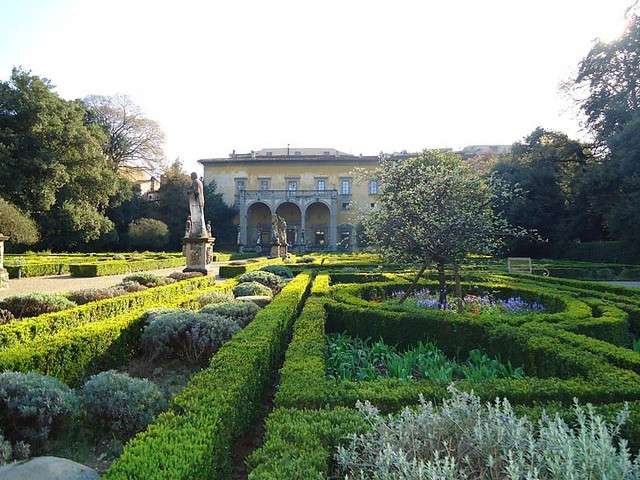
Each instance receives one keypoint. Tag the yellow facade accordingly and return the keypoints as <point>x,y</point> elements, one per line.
<point>322,195</point>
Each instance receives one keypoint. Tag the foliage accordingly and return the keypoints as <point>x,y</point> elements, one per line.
<point>195,438</point>
<point>16,224</point>
<point>268,279</point>
<point>216,296</point>
<point>247,289</point>
<point>220,215</point>
<point>148,279</point>
<point>119,403</point>
<point>117,267</point>
<point>34,304</point>
<point>185,334</point>
<point>280,270</point>
<point>357,359</point>
<point>6,316</point>
<point>80,297</point>
<point>173,203</point>
<point>240,312</point>
<point>148,234</point>
<point>434,209</point>
<point>52,164</point>
<point>32,405</point>
<point>131,139</point>
<point>179,276</point>
<point>468,439</point>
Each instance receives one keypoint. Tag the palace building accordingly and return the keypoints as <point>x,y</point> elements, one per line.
<point>322,193</point>
<point>316,190</point>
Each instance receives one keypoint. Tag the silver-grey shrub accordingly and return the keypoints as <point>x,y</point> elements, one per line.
<point>185,334</point>
<point>32,405</point>
<point>268,279</point>
<point>241,312</point>
<point>217,296</point>
<point>248,289</point>
<point>119,403</point>
<point>465,439</point>
<point>33,304</point>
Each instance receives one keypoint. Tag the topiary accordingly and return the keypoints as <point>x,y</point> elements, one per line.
<point>6,316</point>
<point>148,279</point>
<point>217,296</point>
<point>280,270</point>
<point>268,279</point>
<point>120,403</point>
<point>33,304</point>
<point>31,405</point>
<point>185,334</point>
<point>241,312</point>
<point>247,289</point>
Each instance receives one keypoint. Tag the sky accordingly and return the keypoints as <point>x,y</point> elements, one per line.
<point>359,76</point>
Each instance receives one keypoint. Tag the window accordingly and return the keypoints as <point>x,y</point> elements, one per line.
<point>292,185</point>
<point>322,184</point>
<point>373,205</point>
<point>264,184</point>
<point>269,154</point>
<point>326,152</point>
<point>297,152</point>
<point>346,205</point>
<point>241,185</point>
<point>345,186</point>
<point>373,187</point>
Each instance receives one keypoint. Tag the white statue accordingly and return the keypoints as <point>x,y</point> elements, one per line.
<point>196,207</point>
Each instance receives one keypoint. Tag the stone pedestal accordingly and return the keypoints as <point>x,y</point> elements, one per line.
<point>279,250</point>
<point>4,275</point>
<point>199,253</point>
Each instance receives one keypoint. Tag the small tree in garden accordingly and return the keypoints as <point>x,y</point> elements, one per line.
<point>148,234</point>
<point>17,224</point>
<point>434,209</point>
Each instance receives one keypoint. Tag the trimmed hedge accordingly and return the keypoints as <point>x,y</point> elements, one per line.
<point>230,271</point>
<point>193,440</point>
<point>71,354</point>
<point>25,331</point>
<point>117,267</point>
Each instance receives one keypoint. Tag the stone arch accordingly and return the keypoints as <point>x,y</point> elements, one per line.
<point>292,214</point>
<point>259,224</point>
<point>317,224</point>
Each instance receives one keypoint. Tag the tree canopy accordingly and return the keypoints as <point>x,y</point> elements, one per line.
<point>17,225</point>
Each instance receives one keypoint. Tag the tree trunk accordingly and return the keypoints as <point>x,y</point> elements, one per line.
<point>442,280</point>
<point>458,287</point>
<point>409,290</point>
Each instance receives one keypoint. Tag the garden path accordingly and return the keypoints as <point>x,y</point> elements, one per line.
<point>65,283</point>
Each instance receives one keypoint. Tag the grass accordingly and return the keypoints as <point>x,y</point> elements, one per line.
<point>357,359</point>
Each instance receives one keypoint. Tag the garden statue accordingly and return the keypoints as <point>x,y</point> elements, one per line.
<point>198,240</point>
<point>279,235</point>
<point>4,275</point>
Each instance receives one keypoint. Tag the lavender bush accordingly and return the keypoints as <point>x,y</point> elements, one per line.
<point>465,439</point>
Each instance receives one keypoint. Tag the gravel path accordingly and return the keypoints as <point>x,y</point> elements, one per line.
<point>65,283</point>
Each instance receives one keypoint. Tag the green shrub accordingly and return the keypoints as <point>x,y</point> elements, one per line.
<point>118,267</point>
<point>241,312</point>
<point>33,304</point>
<point>188,335</point>
<point>195,439</point>
<point>268,279</point>
<point>19,225</point>
<point>119,403</point>
<point>305,260</point>
<point>280,270</point>
<point>148,279</point>
<point>247,289</point>
<point>217,296</point>
<point>6,316</point>
<point>32,405</point>
<point>148,233</point>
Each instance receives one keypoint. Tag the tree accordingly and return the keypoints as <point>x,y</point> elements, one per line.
<point>220,215</point>
<point>51,163</point>
<point>132,140</point>
<point>548,167</point>
<point>148,234</point>
<point>16,224</point>
<point>434,209</point>
<point>173,202</point>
